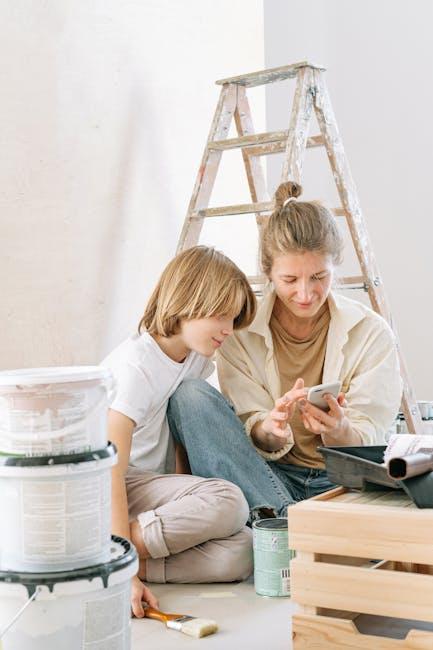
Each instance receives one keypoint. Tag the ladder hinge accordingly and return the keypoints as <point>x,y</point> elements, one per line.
<point>313,91</point>
<point>376,283</point>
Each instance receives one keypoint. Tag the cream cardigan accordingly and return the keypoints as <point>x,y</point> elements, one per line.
<point>361,352</point>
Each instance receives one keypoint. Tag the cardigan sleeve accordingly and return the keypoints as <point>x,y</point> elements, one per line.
<point>375,387</point>
<point>240,382</point>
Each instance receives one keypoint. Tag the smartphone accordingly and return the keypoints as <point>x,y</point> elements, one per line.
<point>316,393</point>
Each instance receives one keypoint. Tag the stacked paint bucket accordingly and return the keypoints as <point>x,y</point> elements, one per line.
<point>64,581</point>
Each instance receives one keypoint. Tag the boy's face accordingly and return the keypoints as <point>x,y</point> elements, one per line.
<point>205,335</point>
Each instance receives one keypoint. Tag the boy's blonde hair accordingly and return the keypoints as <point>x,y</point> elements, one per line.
<point>198,283</point>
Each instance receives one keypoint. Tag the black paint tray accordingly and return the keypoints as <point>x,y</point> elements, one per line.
<point>361,468</point>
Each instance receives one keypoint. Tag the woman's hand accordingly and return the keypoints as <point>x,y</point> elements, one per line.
<point>273,432</point>
<point>140,593</point>
<point>333,425</point>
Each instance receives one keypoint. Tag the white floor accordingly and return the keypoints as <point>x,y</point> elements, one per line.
<point>246,621</point>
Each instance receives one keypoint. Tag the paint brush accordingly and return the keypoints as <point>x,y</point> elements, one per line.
<point>190,625</point>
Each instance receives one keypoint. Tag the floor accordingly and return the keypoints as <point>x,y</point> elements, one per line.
<point>243,618</point>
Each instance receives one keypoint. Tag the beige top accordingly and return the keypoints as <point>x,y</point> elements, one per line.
<point>301,358</point>
<point>360,351</point>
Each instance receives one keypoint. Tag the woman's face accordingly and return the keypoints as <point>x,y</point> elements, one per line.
<point>302,281</point>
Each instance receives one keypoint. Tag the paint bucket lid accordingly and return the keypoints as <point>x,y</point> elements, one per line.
<point>273,523</point>
<point>123,557</point>
<point>29,467</point>
<point>52,375</point>
<point>62,459</point>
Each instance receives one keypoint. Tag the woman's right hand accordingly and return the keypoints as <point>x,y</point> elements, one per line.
<point>140,593</point>
<point>275,424</point>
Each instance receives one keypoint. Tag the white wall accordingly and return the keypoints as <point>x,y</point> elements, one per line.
<point>378,56</point>
<point>105,110</point>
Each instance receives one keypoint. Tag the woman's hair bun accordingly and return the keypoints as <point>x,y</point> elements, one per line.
<point>286,191</point>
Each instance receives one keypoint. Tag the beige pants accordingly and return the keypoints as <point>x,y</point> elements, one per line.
<point>193,528</point>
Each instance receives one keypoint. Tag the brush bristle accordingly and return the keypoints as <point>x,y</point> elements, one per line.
<point>198,627</point>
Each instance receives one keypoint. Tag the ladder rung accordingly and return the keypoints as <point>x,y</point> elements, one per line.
<point>353,282</point>
<point>263,143</point>
<point>249,140</point>
<point>268,76</point>
<point>225,210</point>
<point>256,279</point>
<point>246,208</point>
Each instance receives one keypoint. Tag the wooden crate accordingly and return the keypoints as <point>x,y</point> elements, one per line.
<point>361,556</point>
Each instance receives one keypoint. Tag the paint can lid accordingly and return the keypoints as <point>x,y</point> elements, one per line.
<point>273,523</point>
<point>52,375</point>
<point>123,555</point>
<point>109,451</point>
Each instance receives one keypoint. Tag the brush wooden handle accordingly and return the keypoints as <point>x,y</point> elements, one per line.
<point>150,612</point>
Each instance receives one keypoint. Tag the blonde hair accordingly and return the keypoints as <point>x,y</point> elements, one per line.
<point>298,226</point>
<point>198,283</point>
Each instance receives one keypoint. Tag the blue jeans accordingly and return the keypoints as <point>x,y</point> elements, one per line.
<point>205,424</point>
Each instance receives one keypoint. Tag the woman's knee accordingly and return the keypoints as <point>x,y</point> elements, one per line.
<point>191,391</point>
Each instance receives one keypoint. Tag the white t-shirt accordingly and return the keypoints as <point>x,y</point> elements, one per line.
<point>145,380</point>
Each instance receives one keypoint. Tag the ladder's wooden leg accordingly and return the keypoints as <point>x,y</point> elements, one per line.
<point>349,200</point>
<point>253,166</point>
<point>208,168</point>
<point>298,127</point>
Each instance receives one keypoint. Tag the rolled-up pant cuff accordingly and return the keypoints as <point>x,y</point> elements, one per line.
<point>153,538</point>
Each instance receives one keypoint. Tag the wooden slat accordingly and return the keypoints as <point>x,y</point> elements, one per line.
<point>278,138</point>
<point>249,140</point>
<point>298,127</point>
<point>353,279</point>
<point>331,633</point>
<point>269,76</point>
<point>238,208</point>
<point>395,533</point>
<point>369,591</point>
<point>253,166</point>
<point>225,210</point>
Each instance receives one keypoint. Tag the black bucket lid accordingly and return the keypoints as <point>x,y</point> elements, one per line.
<point>32,580</point>
<point>63,459</point>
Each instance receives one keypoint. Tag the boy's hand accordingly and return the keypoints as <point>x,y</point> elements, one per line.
<point>139,593</point>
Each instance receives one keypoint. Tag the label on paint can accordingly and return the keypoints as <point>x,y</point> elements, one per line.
<point>63,518</point>
<point>271,557</point>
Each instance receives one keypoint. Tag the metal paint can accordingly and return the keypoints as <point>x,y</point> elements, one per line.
<point>271,557</point>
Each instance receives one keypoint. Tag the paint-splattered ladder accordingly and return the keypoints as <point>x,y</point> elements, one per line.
<point>310,93</point>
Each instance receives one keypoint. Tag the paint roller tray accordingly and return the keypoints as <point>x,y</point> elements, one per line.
<point>361,468</point>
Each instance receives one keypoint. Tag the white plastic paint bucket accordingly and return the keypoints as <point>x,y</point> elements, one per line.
<point>56,410</point>
<point>88,609</point>
<point>55,510</point>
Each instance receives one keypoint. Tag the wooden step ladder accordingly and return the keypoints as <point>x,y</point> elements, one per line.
<point>310,93</point>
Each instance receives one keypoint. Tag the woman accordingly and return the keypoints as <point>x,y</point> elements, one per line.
<point>303,335</point>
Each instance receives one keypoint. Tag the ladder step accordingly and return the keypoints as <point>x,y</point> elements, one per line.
<point>256,279</point>
<point>246,208</point>
<point>278,138</point>
<point>269,76</point>
<point>353,282</point>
